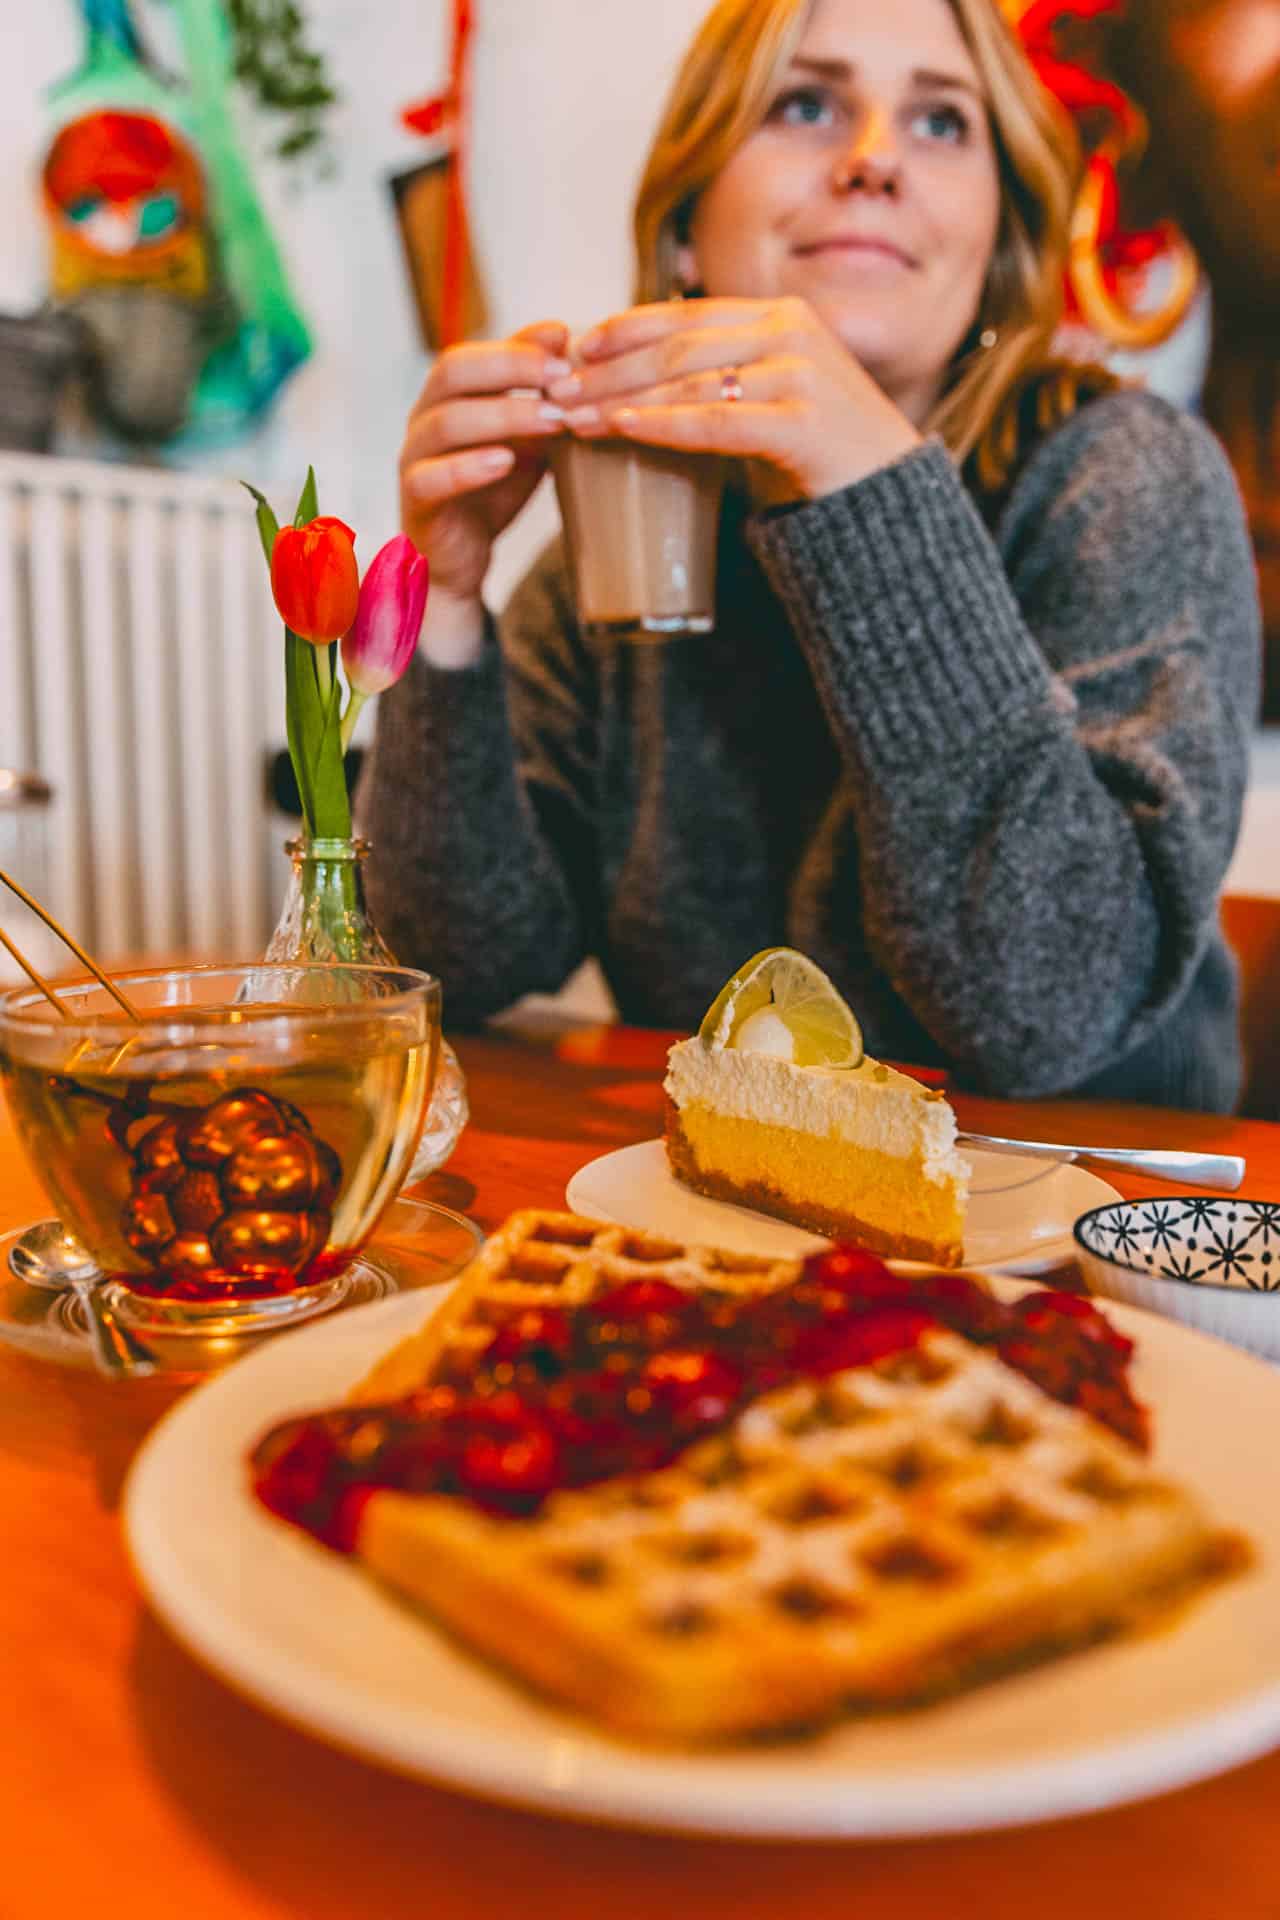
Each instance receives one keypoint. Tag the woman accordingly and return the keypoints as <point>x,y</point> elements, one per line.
<point>974,740</point>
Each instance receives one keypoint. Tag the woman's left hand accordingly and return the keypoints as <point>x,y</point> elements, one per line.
<point>758,380</point>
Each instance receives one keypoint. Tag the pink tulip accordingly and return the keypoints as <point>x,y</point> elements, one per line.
<point>393,597</point>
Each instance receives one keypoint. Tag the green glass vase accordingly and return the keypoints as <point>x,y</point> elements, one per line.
<point>326,917</point>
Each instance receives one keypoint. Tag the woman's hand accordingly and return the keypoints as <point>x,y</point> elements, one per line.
<point>474,450</point>
<point>809,419</point>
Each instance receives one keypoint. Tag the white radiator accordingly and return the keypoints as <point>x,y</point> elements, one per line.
<point>141,673</point>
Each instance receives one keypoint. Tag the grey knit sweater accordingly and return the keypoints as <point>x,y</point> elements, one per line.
<point>990,780</point>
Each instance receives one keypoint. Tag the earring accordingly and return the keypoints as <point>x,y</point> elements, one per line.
<point>988,338</point>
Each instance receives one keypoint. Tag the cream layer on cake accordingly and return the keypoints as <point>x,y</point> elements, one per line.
<point>861,1153</point>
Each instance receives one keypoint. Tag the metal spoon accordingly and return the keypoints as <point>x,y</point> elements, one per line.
<point>1222,1171</point>
<point>47,1256</point>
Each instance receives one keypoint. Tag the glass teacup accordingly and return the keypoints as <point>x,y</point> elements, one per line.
<point>224,1157</point>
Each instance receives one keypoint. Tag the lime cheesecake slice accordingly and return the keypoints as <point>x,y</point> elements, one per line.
<point>774,1104</point>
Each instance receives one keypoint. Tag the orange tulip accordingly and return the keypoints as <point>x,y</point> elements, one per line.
<point>314,579</point>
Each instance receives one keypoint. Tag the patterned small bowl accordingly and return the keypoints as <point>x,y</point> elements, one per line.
<point>1213,1263</point>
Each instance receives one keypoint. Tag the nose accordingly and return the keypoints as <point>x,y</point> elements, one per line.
<point>871,164</point>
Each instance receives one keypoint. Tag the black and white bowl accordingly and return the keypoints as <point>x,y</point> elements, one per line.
<point>1212,1263</point>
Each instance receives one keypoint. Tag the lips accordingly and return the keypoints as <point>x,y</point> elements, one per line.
<point>853,245</point>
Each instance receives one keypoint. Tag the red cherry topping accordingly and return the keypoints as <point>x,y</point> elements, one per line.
<point>594,1433</point>
<point>1055,1368</point>
<point>344,1522</point>
<point>491,1411</point>
<point>520,1466</point>
<point>429,1403</point>
<point>955,1291</point>
<point>1072,1306</point>
<point>962,1304</point>
<point>294,1465</point>
<point>637,1297</point>
<point>698,1387</point>
<point>540,1330</point>
<point>415,1458</point>
<point>573,1407</point>
<point>1043,1312</point>
<point>854,1271</point>
<point>859,1339</point>
<point>1115,1407</point>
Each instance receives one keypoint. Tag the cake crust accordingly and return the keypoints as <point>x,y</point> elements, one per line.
<point>833,1223</point>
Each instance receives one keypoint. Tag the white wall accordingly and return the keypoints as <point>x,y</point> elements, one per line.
<point>566,93</point>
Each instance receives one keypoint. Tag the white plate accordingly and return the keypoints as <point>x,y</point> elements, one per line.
<point>1021,1211</point>
<point>309,1636</point>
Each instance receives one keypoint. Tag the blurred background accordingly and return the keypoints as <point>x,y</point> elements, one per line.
<point>235,230</point>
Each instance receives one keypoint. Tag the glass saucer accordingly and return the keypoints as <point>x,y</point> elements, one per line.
<point>417,1245</point>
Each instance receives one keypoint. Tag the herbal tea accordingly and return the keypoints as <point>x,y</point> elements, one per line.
<point>226,1168</point>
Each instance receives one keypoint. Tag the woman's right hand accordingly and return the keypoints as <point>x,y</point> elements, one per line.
<point>474,451</point>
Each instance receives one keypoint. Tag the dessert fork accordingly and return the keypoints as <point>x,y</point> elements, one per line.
<point>1222,1171</point>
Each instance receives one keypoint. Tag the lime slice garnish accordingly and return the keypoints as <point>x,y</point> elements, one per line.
<point>823,1030</point>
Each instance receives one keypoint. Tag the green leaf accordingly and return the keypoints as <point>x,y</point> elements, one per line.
<point>312,716</point>
<point>314,700</point>
<point>301,702</point>
<point>333,804</point>
<point>308,504</point>
<point>268,525</point>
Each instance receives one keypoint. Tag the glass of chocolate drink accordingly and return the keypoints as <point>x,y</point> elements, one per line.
<point>641,526</point>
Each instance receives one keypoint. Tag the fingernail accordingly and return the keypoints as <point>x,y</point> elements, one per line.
<point>582,417</point>
<point>625,417</point>
<point>547,412</point>
<point>554,369</point>
<point>493,459</point>
<point>566,389</point>
<point>590,343</point>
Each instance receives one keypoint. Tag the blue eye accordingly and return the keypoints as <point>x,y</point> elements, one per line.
<point>803,107</point>
<point>941,122</point>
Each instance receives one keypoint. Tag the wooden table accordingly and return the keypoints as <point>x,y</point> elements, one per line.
<point>133,1784</point>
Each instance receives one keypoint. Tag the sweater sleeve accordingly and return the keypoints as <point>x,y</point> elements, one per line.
<point>478,805</point>
<point>1045,742</point>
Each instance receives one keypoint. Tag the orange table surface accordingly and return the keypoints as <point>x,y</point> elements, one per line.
<point>133,1783</point>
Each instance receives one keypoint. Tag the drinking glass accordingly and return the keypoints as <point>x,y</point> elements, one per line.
<point>224,1156</point>
<point>24,852</point>
<point>641,528</point>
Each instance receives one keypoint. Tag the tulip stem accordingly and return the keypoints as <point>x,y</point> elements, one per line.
<point>352,714</point>
<point>324,678</point>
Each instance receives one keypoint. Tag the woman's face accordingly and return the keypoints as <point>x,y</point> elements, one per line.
<point>871,190</point>
<point>1208,74</point>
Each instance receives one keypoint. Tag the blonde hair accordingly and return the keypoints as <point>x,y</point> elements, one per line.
<point>994,396</point>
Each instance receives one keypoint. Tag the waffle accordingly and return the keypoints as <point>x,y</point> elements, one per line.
<point>541,1258</point>
<point>870,1539</point>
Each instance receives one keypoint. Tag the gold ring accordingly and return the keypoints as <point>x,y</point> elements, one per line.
<point>730,385</point>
